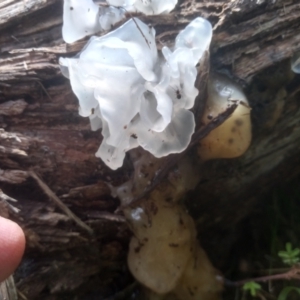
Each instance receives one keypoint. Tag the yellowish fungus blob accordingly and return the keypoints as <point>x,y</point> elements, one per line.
<point>164,253</point>
<point>233,137</point>
<point>164,238</point>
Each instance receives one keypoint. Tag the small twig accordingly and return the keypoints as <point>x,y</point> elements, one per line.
<point>261,296</point>
<point>21,295</point>
<point>59,203</point>
<point>140,30</point>
<point>294,92</point>
<point>293,273</point>
<point>5,199</point>
<point>216,122</point>
<point>272,271</point>
<point>44,89</point>
<point>8,289</point>
<point>107,216</point>
<point>13,37</point>
<point>138,27</point>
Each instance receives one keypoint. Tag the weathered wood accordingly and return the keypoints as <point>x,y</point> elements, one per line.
<point>42,131</point>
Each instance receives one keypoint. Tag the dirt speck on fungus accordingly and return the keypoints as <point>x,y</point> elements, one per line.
<point>239,122</point>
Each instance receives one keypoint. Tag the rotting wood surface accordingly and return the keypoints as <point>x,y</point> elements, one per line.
<point>41,131</point>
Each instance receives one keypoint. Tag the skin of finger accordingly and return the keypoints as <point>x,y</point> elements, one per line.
<point>12,245</point>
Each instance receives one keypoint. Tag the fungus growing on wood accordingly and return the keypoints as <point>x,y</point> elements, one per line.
<point>80,18</point>
<point>140,97</point>
<point>164,253</point>
<point>163,241</point>
<point>84,17</point>
<point>124,86</point>
<point>233,137</point>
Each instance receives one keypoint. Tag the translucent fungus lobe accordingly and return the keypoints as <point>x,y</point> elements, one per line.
<point>130,91</point>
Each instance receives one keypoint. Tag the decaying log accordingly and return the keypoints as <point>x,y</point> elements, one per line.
<point>41,133</point>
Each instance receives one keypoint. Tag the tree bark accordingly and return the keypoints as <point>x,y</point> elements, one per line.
<point>47,149</point>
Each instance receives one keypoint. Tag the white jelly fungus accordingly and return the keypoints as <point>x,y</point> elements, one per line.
<point>83,17</point>
<point>137,96</point>
<point>232,138</point>
<point>80,18</point>
<point>109,16</point>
